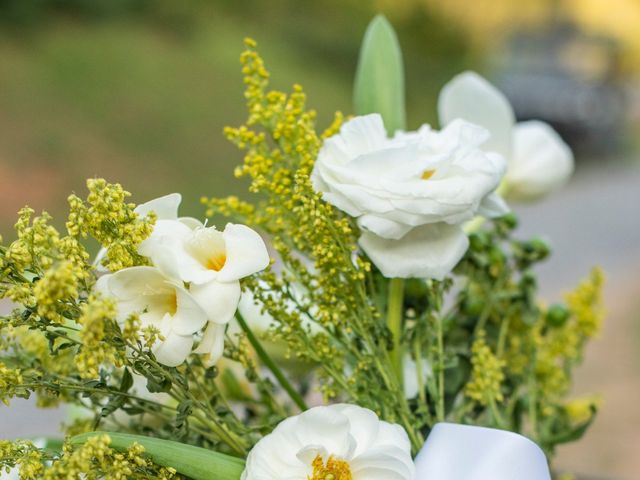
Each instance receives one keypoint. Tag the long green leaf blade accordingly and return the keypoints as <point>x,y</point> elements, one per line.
<point>194,462</point>
<point>379,84</point>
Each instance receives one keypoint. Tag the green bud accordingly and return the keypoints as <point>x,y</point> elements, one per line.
<point>557,315</point>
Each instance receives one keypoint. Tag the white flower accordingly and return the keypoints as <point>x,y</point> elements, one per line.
<point>410,193</point>
<point>338,441</point>
<point>213,262</point>
<point>538,160</point>
<point>162,303</point>
<point>203,254</point>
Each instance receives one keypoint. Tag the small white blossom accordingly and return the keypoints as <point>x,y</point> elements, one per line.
<point>337,441</point>
<point>538,160</point>
<point>162,303</point>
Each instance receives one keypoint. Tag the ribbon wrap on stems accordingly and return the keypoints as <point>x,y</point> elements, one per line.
<point>463,452</point>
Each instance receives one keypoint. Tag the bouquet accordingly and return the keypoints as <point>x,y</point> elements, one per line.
<point>370,298</point>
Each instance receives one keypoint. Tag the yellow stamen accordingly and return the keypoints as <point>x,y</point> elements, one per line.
<point>333,469</point>
<point>427,174</point>
<point>217,262</point>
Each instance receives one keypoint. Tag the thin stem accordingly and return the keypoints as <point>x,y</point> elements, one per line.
<point>496,414</point>
<point>270,364</point>
<point>395,309</point>
<point>533,405</point>
<point>440,346</point>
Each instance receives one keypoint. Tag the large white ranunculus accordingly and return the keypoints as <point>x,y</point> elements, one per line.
<point>410,193</point>
<point>538,160</point>
<point>160,302</point>
<point>338,441</point>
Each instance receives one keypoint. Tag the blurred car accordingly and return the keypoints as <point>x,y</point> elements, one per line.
<point>569,79</point>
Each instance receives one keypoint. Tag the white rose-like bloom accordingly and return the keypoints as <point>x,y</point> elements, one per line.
<point>538,160</point>
<point>338,441</point>
<point>410,193</point>
<point>160,302</point>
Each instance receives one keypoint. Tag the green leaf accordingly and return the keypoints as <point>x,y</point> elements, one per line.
<point>194,462</point>
<point>379,84</point>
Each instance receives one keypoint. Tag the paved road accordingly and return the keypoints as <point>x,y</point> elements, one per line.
<point>595,220</point>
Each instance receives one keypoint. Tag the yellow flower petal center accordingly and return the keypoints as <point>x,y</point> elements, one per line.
<point>217,262</point>
<point>332,469</point>
<point>172,301</point>
<point>427,174</point>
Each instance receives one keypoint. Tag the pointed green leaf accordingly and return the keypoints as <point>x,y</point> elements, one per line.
<point>194,462</point>
<point>379,84</point>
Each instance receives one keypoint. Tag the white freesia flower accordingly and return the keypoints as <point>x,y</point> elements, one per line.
<point>161,302</point>
<point>213,262</point>
<point>337,441</point>
<point>538,160</point>
<point>410,193</point>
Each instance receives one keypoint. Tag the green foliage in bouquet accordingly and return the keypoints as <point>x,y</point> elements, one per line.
<point>476,347</point>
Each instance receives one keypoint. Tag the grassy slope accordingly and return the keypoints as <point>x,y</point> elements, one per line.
<point>136,105</point>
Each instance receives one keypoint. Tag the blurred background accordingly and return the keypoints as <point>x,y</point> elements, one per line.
<point>138,91</point>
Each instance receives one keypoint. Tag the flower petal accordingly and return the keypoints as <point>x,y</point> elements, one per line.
<point>165,246</point>
<point>212,344</point>
<point>328,428</point>
<point>470,97</point>
<point>174,349</point>
<point>493,206</point>
<point>191,222</point>
<point>430,251</point>
<point>246,253</point>
<point>190,316</point>
<point>219,300</point>
<point>541,161</point>
<point>134,282</point>
<point>383,227</point>
<point>165,208</point>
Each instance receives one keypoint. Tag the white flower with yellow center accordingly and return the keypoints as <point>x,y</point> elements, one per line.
<point>211,263</point>
<point>412,192</point>
<point>538,160</point>
<point>162,303</point>
<point>337,442</point>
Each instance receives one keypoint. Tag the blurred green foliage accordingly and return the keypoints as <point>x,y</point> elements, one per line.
<point>139,90</point>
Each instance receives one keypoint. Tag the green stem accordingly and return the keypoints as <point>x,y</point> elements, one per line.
<point>270,364</point>
<point>440,405</point>
<point>395,309</point>
<point>496,414</point>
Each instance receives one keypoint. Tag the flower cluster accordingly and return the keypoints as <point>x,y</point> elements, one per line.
<point>193,281</point>
<point>487,375</point>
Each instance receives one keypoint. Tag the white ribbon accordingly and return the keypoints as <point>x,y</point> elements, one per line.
<point>463,452</point>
